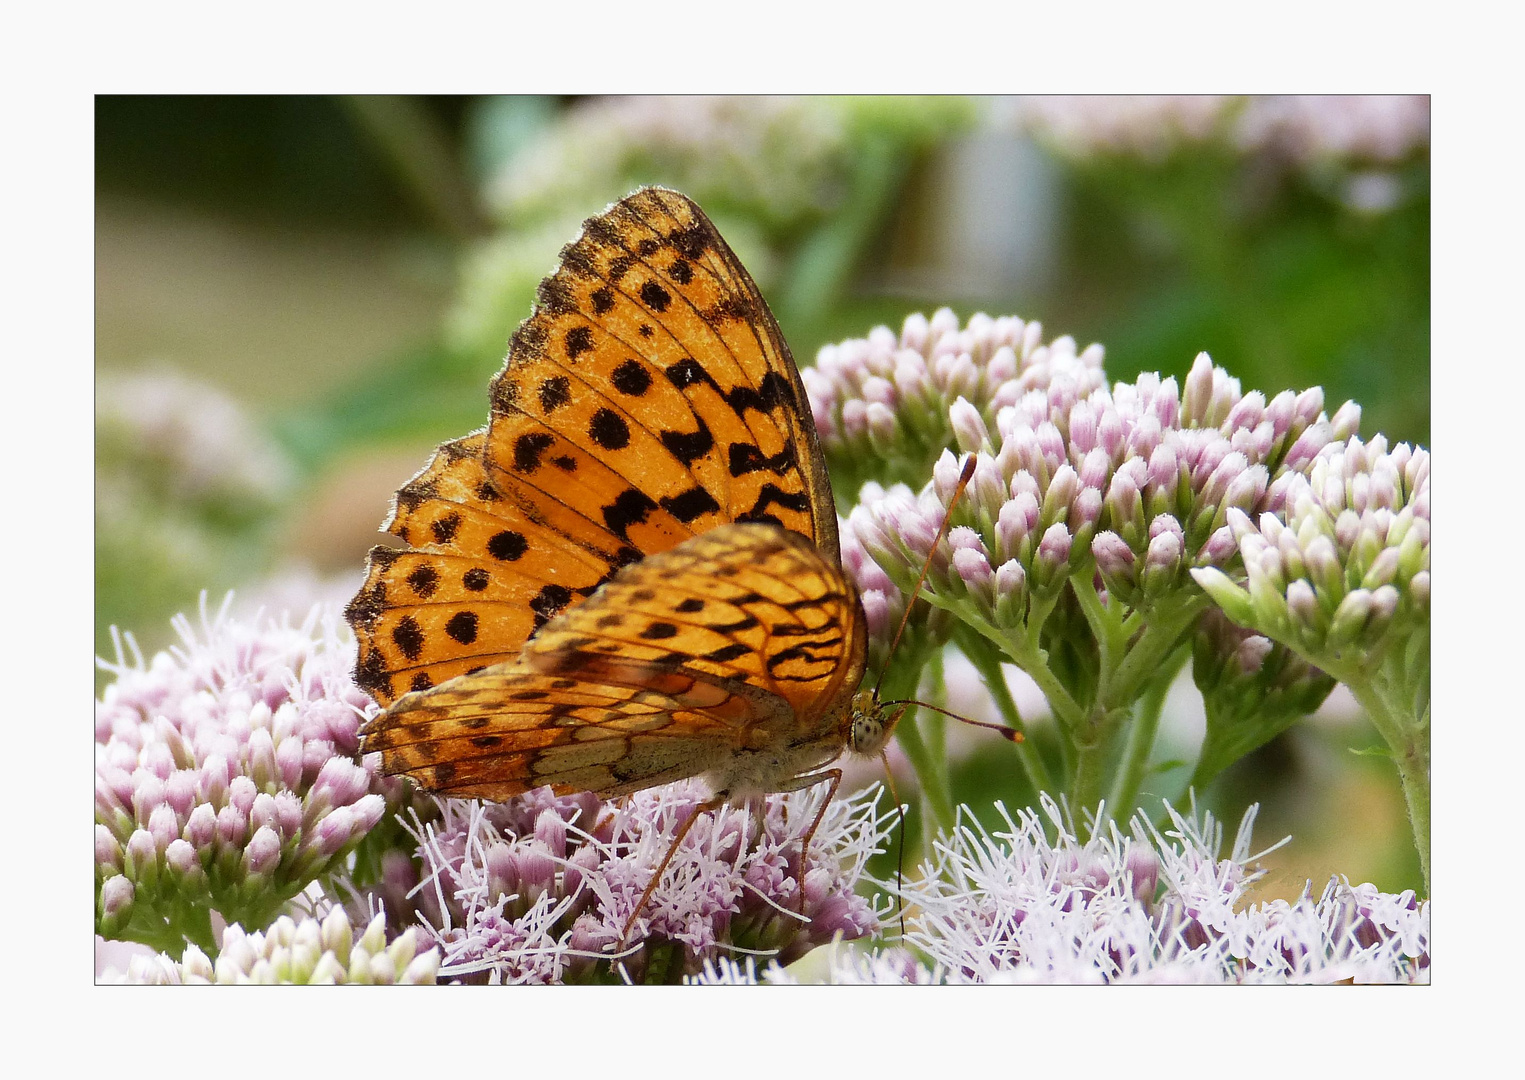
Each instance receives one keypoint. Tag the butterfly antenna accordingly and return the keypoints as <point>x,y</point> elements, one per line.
<point>963,481</point>
<point>1011,733</point>
<point>889,779</point>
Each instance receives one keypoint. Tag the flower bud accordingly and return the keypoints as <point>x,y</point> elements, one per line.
<point>263,853</point>
<point>1114,558</point>
<point>969,431</point>
<point>1350,618</point>
<point>108,852</point>
<point>882,424</point>
<point>974,571</point>
<point>1084,433</point>
<point>114,906</point>
<point>163,826</point>
<point>1303,606</point>
<point>1346,422</point>
<point>1061,493</point>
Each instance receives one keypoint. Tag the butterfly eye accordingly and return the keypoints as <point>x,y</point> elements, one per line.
<point>868,733</point>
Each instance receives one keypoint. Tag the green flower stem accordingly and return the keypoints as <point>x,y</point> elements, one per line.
<point>1146,724</point>
<point>1408,737</point>
<point>196,927</point>
<point>1027,655</point>
<point>988,664</point>
<point>934,727</point>
<point>936,798</point>
<point>1126,671</point>
<point>1161,635</point>
<point>1091,757</point>
<point>1106,622</point>
<point>187,923</point>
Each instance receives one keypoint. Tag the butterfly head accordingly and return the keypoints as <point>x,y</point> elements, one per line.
<point>872,723</point>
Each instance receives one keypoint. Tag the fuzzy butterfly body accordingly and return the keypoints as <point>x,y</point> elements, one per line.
<point>632,576</point>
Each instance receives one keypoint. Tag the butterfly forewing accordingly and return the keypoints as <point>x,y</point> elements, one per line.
<point>464,594</point>
<point>652,352</point>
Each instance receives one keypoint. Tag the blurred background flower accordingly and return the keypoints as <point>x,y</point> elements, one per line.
<point>298,297</point>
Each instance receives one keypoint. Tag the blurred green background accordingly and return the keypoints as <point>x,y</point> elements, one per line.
<point>298,297</point>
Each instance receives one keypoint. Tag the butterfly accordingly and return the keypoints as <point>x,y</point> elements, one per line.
<point>632,575</point>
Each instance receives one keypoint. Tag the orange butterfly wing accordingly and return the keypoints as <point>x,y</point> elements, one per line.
<point>648,398</point>
<point>731,655</point>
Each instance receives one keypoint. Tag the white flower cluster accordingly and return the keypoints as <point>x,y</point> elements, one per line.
<point>1015,906</point>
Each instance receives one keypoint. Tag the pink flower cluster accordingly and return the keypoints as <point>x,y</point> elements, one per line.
<point>224,778</point>
<point>539,889</point>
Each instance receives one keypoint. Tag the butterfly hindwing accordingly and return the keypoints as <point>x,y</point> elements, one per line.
<point>738,640</point>
<point>744,604</point>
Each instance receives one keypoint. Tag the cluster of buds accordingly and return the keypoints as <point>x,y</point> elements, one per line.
<point>1141,477</point>
<point>881,404</point>
<point>1344,573</point>
<point>778,155</point>
<point>224,780</point>
<point>539,889</point>
<point>180,441</point>
<point>304,951</point>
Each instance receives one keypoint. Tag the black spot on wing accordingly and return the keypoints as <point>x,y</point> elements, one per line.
<point>686,446</point>
<point>630,507</point>
<point>408,636</point>
<point>579,341</point>
<point>371,673</point>
<point>631,378</point>
<point>548,602</point>
<point>462,627</point>
<point>424,579</point>
<point>773,391</point>
<point>746,458</point>
<point>507,545</point>
<point>688,505</point>
<point>554,393</point>
<point>554,296</point>
<point>655,297</point>
<point>771,495</point>
<point>528,449</point>
<point>609,430</point>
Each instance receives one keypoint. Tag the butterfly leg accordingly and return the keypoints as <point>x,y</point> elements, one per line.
<point>651,886</point>
<point>803,782</point>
